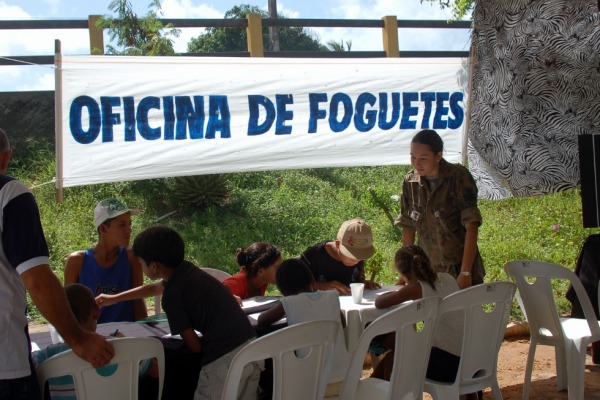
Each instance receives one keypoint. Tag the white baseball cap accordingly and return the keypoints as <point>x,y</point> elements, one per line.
<point>111,208</point>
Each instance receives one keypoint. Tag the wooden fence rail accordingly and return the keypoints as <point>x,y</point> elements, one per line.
<point>253,24</point>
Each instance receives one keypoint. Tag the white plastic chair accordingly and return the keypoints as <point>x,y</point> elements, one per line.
<point>121,385</point>
<point>569,336</point>
<point>294,377</point>
<point>217,273</point>
<point>297,314</point>
<point>411,353</point>
<point>486,309</point>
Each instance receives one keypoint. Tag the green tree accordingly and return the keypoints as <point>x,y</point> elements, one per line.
<point>220,39</point>
<point>135,36</point>
<point>460,8</point>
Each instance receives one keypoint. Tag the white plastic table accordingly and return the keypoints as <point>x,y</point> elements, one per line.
<point>358,316</point>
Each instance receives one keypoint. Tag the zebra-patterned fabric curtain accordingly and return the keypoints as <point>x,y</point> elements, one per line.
<point>536,86</point>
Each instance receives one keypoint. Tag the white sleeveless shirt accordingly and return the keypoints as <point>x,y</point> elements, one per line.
<point>448,332</point>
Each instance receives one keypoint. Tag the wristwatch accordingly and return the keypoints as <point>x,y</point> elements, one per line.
<point>465,273</point>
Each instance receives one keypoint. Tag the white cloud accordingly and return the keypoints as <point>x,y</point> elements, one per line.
<point>185,9</point>
<point>11,12</point>
<point>287,12</point>
<point>41,80</point>
<point>54,5</point>
<point>25,78</point>
<point>370,39</point>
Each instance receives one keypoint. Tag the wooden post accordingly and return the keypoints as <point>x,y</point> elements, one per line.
<point>273,33</point>
<point>254,33</point>
<point>96,35</point>
<point>58,120</point>
<point>465,148</point>
<point>390,36</point>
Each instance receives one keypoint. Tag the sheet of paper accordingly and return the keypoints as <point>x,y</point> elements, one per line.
<point>169,336</point>
<point>259,303</point>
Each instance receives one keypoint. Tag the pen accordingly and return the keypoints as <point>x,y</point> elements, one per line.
<point>115,333</point>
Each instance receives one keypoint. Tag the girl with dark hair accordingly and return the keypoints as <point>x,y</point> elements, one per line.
<point>439,205</point>
<point>422,281</point>
<point>259,263</point>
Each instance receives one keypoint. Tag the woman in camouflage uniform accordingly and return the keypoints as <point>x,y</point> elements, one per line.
<point>439,206</point>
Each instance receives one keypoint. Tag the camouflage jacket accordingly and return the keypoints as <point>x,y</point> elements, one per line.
<point>439,213</point>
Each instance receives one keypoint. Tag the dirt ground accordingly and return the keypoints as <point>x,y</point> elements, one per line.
<point>511,372</point>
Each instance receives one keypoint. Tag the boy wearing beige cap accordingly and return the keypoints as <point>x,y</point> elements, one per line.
<point>110,266</point>
<point>336,264</point>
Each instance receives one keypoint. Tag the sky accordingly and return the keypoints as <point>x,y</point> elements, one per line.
<point>73,41</point>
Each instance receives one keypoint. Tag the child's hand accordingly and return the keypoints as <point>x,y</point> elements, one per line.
<point>333,285</point>
<point>104,300</point>
<point>401,281</point>
<point>370,285</point>
<point>239,300</point>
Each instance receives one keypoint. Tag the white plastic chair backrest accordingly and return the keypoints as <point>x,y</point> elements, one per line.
<point>293,377</point>
<point>411,353</point>
<point>122,384</point>
<point>217,273</point>
<point>295,313</point>
<point>534,280</point>
<point>486,308</point>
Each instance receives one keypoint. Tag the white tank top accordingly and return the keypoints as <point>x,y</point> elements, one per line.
<point>449,329</point>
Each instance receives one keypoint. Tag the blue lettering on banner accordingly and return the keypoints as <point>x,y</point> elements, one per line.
<point>183,118</point>
<point>75,117</point>
<point>197,117</point>
<point>169,114</point>
<point>129,111</point>
<point>315,112</point>
<point>457,110</point>
<point>335,124</point>
<point>366,113</point>
<point>191,116</point>
<point>279,110</point>
<point>255,102</point>
<point>109,118</point>
<point>427,98</point>
<point>409,110</point>
<point>383,123</point>
<point>441,110</point>
<point>143,126</point>
<point>217,105</point>
<point>370,115</point>
<point>283,114</point>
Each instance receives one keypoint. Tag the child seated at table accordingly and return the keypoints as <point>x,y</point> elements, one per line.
<point>335,264</point>
<point>259,263</point>
<point>84,308</point>
<point>194,301</point>
<point>302,302</point>
<point>422,281</point>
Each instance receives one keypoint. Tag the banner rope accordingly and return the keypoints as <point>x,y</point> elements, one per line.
<point>43,184</point>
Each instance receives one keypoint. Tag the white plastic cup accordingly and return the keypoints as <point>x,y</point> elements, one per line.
<point>357,292</point>
<point>54,335</point>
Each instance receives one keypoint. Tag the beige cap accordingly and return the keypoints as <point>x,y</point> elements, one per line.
<point>356,239</point>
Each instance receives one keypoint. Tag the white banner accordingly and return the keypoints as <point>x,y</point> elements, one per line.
<point>128,118</point>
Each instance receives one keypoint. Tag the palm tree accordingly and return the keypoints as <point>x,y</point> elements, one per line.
<point>332,45</point>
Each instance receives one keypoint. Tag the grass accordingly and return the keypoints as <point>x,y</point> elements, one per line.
<point>295,209</point>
